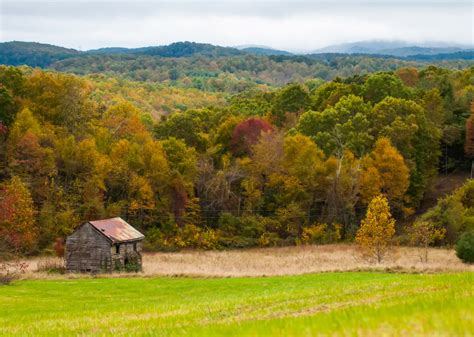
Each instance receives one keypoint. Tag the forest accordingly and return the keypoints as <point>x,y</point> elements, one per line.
<point>252,156</point>
<point>212,68</point>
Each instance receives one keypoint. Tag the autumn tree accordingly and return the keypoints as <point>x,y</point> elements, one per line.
<point>422,234</point>
<point>218,188</point>
<point>266,159</point>
<point>469,143</point>
<point>247,133</point>
<point>408,75</point>
<point>183,172</point>
<point>384,171</point>
<point>343,180</point>
<point>405,123</point>
<point>17,217</point>
<point>433,104</point>
<point>30,152</point>
<point>305,162</point>
<point>57,215</point>
<point>123,120</point>
<point>222,137</point>
<point>61,99</point>
<point>376,230</point>
<point>267,156</point>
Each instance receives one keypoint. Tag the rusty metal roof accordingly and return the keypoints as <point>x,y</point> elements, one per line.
<point>117,230</point>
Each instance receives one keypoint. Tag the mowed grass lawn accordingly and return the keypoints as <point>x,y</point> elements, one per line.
<point>347,304</point>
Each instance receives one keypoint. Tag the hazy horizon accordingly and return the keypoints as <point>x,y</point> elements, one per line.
<point>292,26</point>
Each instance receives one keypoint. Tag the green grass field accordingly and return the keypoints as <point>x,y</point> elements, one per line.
<point>347,304</point>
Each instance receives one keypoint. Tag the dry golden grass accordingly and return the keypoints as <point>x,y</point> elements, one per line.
<point>280,261</point>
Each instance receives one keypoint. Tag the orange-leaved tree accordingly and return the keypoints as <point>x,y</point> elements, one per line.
<point>384,171</point>
<point>376,230</point>
<point>17,221</point>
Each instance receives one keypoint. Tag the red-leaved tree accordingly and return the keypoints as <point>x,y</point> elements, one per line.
<point>247,133</point>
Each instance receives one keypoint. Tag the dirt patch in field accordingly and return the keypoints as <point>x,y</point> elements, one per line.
<point>281,261</point>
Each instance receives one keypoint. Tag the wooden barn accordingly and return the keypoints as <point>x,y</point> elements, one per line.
<point>104,246</point>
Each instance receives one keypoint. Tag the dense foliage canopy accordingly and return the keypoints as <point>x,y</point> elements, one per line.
<point>267,166</point>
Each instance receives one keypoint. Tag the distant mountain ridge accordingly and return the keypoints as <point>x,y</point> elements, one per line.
<point>33,54</point>
<point>175,49</point>
<point>43,55</point>
<point>262,50</point>
<point>394,48</point>
<point>265,51</point>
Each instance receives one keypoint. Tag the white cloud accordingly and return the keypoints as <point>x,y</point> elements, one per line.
<point>280,24</point>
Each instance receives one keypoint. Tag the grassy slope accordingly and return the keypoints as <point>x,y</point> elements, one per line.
<point>347,303</point>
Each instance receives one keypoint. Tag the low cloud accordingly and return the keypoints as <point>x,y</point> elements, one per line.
<point>300,26</point>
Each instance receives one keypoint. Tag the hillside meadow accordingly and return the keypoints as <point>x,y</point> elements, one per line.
<point>336,304</point>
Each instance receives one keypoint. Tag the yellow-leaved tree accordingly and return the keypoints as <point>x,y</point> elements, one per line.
<point>384,171</point>
<point>376,230</point>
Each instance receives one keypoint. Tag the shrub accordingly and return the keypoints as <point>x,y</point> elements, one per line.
<point>455,213</point>
<point>192,236</point>
<point>321,233</point>
<point>244,232</point>
<point>423,234</point>
<point>465,247</point>
<point>59,247</point>
<point>268,239</point>
<point>10,271</point>
<point>314,233</point>
<point>156,240</point>
<point>51,266</point>
<point>132,264</point>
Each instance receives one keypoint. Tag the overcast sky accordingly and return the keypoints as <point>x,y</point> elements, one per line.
<point>296,26</point>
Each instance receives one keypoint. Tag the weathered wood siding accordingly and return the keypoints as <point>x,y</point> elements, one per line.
<point>88,251</point>
<point>127,252</point>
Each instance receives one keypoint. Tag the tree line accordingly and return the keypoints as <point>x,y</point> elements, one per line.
<point>297,164</point>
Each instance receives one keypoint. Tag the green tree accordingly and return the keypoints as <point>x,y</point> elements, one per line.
<point>190,126</point>
<point>404,122</point>
<point>8,107</point>
<point>328,94</point>
<point>381,85</point>
<point>291,99</point>
<point>344,126</point>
